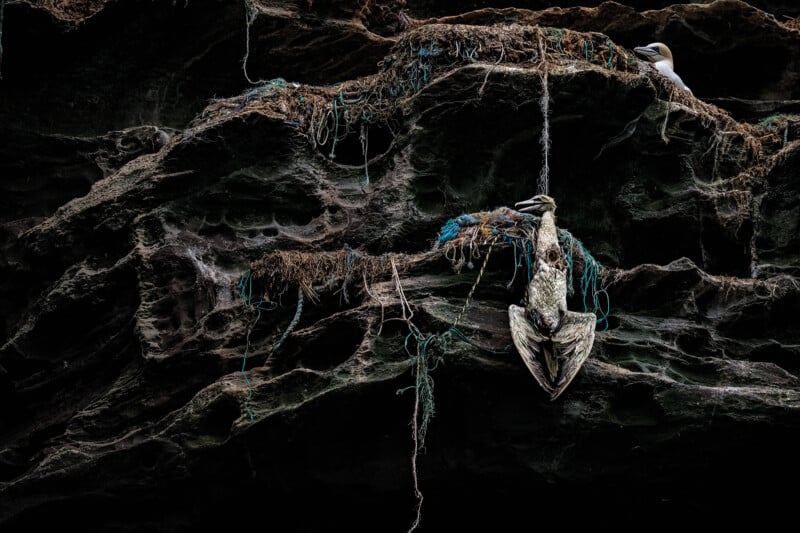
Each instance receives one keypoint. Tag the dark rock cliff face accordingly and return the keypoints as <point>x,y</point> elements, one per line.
<point>215,295</point>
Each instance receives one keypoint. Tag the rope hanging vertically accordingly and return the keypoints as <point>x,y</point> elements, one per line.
<point>250,16</point>
<point>543,183</point>
<point>477,280</point>
<point>292,324</point>
<point>543,186</point>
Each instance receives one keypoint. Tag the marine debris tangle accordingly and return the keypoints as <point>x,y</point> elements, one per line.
<point>462,237</point>
<point>461,241</point>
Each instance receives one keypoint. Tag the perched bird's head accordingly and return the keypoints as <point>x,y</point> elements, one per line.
<point>655,52</point>
<point>538,204</point>
<point>661,58</point>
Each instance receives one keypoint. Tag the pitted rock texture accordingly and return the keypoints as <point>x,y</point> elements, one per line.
<point>142,183</point>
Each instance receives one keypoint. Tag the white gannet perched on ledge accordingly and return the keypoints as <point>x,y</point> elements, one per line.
<point>552,341</point>
<point>661,57</point>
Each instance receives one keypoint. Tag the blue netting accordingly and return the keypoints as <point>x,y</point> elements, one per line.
<point>515,229</point>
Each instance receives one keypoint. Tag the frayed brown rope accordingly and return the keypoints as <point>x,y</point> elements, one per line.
<point>475,285</point>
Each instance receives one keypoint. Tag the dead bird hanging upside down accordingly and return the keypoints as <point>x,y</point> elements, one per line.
<point>552,341</point>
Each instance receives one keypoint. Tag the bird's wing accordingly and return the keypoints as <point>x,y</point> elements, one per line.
<point>667,71</point>
<point>528,341</point>
<point>677,79</point>
<point>575,341</point>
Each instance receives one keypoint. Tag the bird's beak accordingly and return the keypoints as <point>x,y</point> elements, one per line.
<point>645,51</point>
<point>528,205</point>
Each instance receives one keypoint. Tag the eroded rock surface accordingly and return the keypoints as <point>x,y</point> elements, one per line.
<point>156,373</point>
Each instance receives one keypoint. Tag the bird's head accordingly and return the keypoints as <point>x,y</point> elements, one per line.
<point>655,52</point>
<point>539,204</point>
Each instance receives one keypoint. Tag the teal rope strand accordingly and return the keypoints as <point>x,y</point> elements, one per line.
<point>604,311</point>
<point>244,366</point>
<point>246,288</point>
<point>528,254</point>
<point>246,294</point>
<point>458,333</point>
<point>589,280</point>
<point>424,382</point>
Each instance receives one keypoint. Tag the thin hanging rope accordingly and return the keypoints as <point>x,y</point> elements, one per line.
<point>543,185</point>
<point>474,285</point>
<point>292,324</point>
<point>250,17</point>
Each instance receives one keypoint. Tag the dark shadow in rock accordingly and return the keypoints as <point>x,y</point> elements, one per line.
<point>177,300</point>
<point>613,323</point>
<point>787,357</point>
<point>323,346</point>
<point>777,225</point>
<point>216,231</point>
<point>176,56</point>
<point>459,169</point>
<point>720,75</point>
<point>696,341</point>
<point>58,333</point>
<point>662,291</point>
<point>244,179</point>
<point>724,253</point>
<point>743,109</point>
<point>349,149</point>
<point>12,463</point>
<point>664,239</point>
<point>287,44</point>
<point>337,343</point>
<point>215,420</point>
<point>623,349</point>
<point>430,8</point>
<point>262,195</point>
<point>41,173</point>
<point>22,454</point>
<point>248,140</point>
<point>757,318</point>
<point>634,404</point>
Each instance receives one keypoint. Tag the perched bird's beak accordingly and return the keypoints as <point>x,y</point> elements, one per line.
<point>646,51</point>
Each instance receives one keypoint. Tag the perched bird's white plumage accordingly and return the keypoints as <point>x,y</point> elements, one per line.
<point>660,56</point>
<point>552,341</point>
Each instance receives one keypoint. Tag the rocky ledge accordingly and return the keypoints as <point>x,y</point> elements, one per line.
<point>231,304</point>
